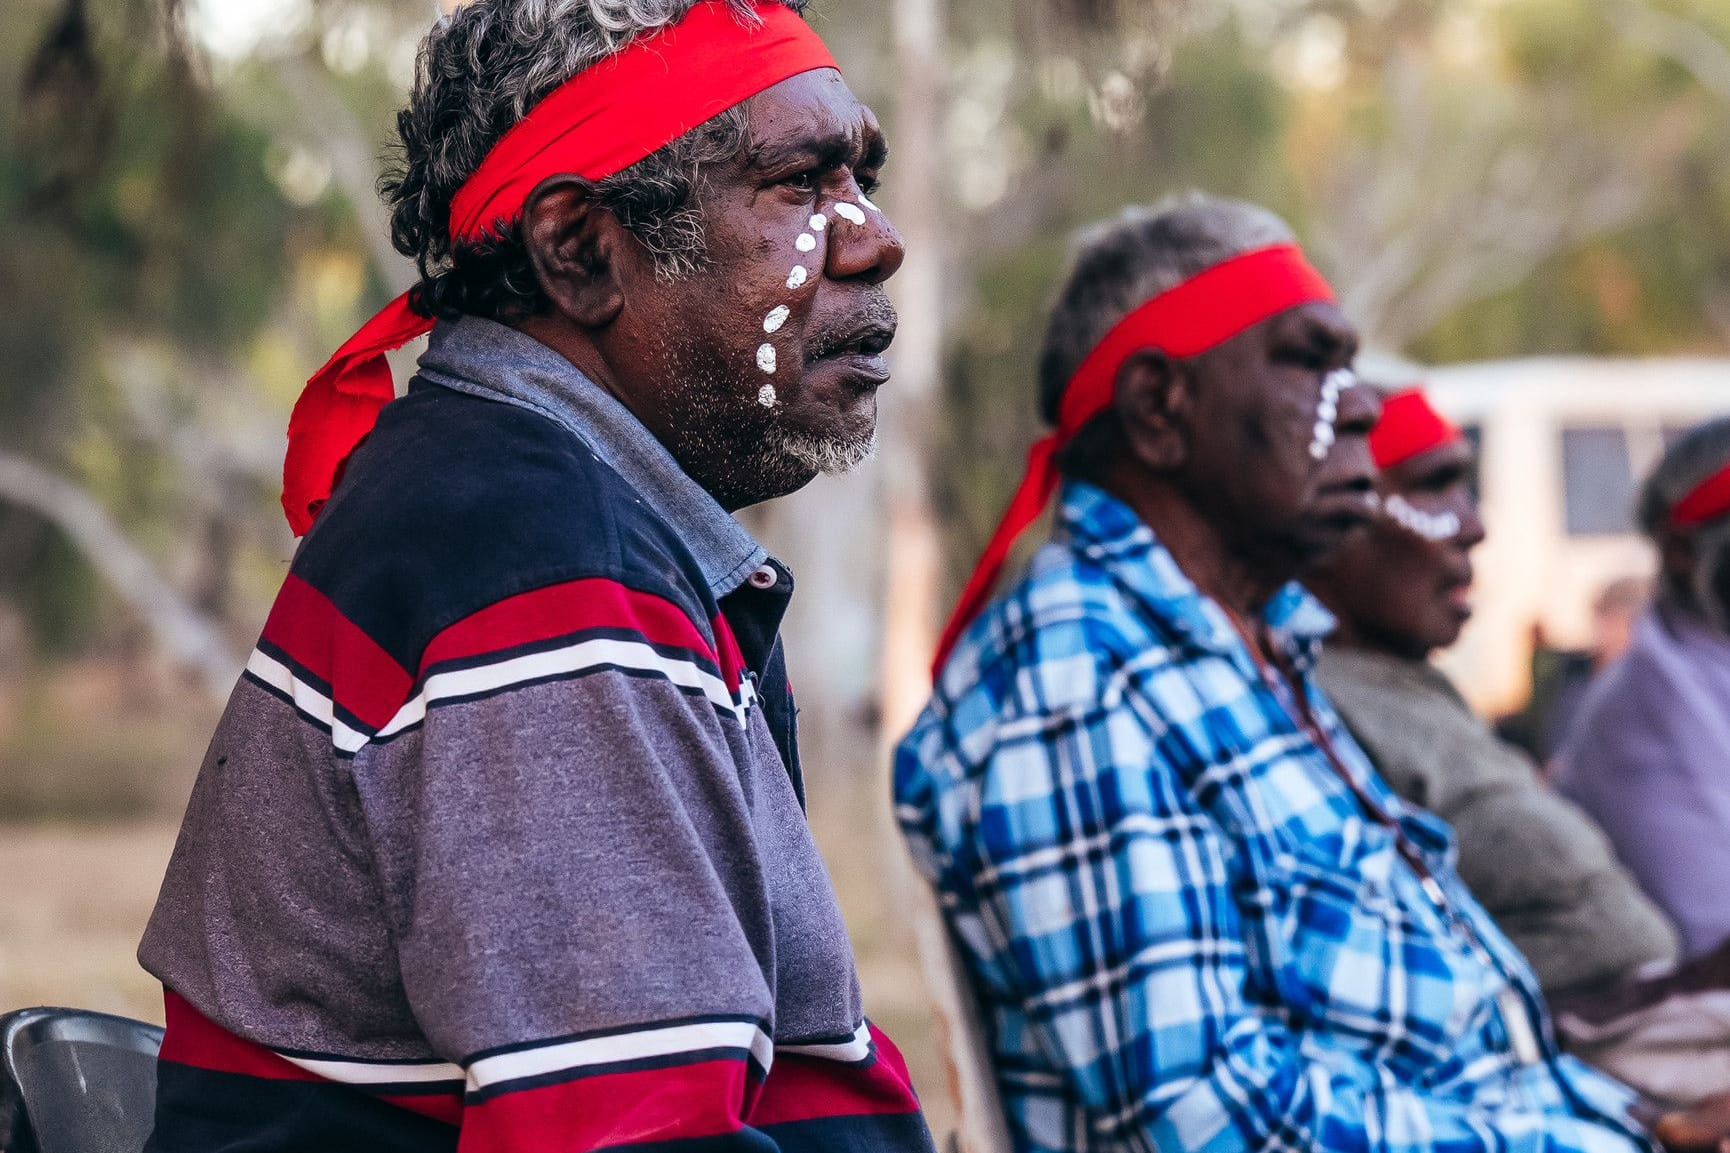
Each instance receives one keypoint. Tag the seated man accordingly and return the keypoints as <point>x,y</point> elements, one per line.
<point>1649,756</point>
<point>1196,918</point>
<point>1401,592</point>
<point>1541,867</point>
<point>499,844</point>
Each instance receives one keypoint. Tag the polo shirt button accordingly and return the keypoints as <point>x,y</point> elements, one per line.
<point>765,578</point>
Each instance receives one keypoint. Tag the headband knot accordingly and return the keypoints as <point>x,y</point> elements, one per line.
<point>597,124</point>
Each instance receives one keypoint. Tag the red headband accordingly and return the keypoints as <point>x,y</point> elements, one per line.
<point>598,124</point>
<point>1410,426</point>
<point>1203,312</point>
<point>1709,501</point>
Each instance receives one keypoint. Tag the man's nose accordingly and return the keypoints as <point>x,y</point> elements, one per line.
<point>1472,532</point>
<point>1360,410</point>
<point>871,251</point>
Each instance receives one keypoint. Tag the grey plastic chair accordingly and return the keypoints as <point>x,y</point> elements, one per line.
<point>76,1082</point>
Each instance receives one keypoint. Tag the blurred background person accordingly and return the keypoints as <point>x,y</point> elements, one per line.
<point>1561,676</point>
<point>1542,868</point>
<point>1401,590</point>
<point>1650,756</point>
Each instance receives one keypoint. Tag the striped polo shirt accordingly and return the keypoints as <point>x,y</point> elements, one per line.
<point>500,843</point>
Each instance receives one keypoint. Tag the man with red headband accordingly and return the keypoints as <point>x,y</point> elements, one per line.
<point>500,844</point>
<point>1542,868</point>
<point>1649,755</point>
<point>1401,591</point>
<point>1195,917</point>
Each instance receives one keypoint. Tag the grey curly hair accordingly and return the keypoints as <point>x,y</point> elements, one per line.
<point>1120,264</point>
<point>479,72</point>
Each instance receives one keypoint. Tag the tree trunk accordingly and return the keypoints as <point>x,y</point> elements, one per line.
<point>913,569</point>
<point>913,573</point>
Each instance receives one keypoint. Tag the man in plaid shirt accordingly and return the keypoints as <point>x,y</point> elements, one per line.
<point>1195,917</point>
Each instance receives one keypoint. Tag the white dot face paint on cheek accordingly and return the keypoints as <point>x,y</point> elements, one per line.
<point>868,204</point>
<point>819,222</point>
<point>767,396</point>
<point>796,279</point>
<point>806,242</point>
<point>766,359</point>
<point>773,322</point>
<point>850,214</point>
<point>1433,527</point>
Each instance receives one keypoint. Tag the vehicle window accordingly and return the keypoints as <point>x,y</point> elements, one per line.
<point>1598,481</point>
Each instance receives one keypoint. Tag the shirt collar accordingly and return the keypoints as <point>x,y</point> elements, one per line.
<point>1108,532</point>
<point>486,359</point>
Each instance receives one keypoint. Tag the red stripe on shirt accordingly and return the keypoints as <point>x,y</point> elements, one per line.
<point>810,1088</point>
<point>732,658</point>
<point>194,1040</point>
<point>561,610</point>
<point>364,680</point>
<point>191,1039</point>
<point>705,1099</point>
<point>446,1107</point>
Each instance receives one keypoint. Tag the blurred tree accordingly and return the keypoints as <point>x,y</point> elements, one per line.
<point>163,231</point>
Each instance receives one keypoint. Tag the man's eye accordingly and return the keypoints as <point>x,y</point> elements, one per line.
<point>868,184</point>
<point>802,181</point>
<point>1305,357</point>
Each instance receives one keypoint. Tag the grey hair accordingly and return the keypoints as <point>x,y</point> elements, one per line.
<point>1694,457</point>
<point>479,72</point>
<point>1118,265</point>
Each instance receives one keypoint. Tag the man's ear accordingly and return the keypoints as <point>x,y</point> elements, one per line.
<point>575,247</point>
<point>1154,399</point>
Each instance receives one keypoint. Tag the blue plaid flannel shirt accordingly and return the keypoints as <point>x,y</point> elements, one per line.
<point>1184,930</point>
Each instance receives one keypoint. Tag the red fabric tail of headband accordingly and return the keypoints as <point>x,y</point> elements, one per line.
<point>596,125</point>
<point>1709,501</point>
<point>1186,320</point>
<point>1410,426</point>
<point>1038,486</point>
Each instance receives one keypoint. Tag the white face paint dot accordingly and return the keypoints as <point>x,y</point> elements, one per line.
<point>773,322</point>
<point>869,205</point>
<point>1436,527</point>
<point>767,397</point>
<point>806,242</point>
<point>796,279</point>
<point>766,358</point>
<point>819,222</point>
<point>1328,412</point>
<point>850,214</point>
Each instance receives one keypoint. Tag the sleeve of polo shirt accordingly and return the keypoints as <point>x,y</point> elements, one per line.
<point>570,872</point>
<point>1126,949</point>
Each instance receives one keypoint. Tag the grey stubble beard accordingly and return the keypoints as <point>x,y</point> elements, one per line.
<point>828,455</point>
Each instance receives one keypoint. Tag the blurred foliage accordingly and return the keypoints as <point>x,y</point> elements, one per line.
<point>145,203</point>
<point>182,232</point>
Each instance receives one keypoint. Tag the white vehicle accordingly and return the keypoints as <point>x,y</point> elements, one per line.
<point>1564,443</point>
